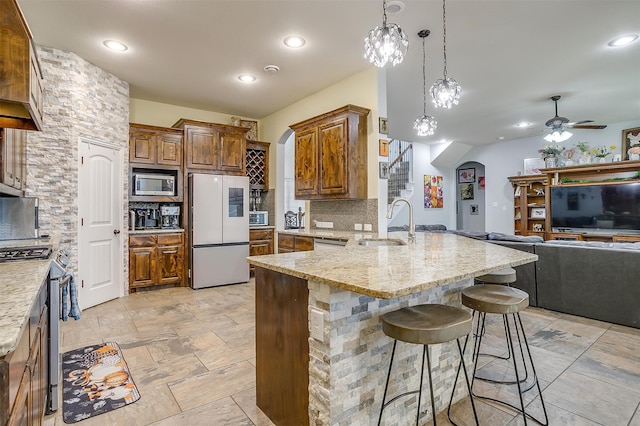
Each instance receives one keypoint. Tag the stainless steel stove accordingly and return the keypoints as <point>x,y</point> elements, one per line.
<point>8,254</point>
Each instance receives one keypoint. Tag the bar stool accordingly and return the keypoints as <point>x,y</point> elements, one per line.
<point>426,325</point>
<point>503,276</point>
<point>500,299</point>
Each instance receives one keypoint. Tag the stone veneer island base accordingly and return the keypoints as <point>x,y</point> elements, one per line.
<point>339,380</point>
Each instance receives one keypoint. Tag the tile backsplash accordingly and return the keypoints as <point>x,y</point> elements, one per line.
<point>345,213</point>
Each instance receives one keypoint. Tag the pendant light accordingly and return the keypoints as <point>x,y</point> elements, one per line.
<point>425,125</point>
<point>386,44</point>
<point>445,92</point>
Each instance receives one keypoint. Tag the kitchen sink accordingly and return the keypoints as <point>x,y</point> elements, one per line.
<point>376,242</point>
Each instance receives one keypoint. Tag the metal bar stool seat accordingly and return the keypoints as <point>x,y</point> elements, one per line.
<point>426,325</point>
<point>506,301</point>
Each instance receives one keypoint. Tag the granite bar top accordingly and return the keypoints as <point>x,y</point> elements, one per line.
<point>388,272</point>
<point>20,282</point>
<point>330,234</point>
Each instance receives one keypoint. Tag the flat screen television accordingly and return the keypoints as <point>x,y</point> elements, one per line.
<point>596,207</point>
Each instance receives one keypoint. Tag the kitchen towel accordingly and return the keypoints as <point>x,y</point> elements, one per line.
<point>70,291</point>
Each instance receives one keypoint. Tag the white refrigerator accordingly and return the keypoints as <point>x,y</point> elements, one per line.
<point>219,230</point>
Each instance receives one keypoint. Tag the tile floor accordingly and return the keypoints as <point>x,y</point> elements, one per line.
<point>191,354</point>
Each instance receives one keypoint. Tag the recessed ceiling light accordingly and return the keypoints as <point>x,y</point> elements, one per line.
<point>115,45</point>
<point>623,40</point>
<point>523,124</point>
<point>294,41</point>
<point>394,7</point>
<point>247,78</point>
<point>272,68</point>
<point>500,138</point>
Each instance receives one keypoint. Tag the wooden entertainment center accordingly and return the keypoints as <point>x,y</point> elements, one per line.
<point>532,199</point>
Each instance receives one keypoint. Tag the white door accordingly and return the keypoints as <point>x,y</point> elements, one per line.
<point>100,247</point>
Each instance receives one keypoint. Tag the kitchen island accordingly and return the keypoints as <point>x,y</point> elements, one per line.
<point>321,355</point>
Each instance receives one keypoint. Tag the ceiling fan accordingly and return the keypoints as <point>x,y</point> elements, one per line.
<point>556,123</point>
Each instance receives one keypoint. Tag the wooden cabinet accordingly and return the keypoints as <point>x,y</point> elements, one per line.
<point>261,242</point>
<point>288,243</point>
<point>257,163</point>
<point>213,147</point>
<point>155,146</point>
<point>530,201</point>
<point>24,372</point>
<point>21,88</point>
<point>14,157</point>
<point>331,155</point>
<point>156,259</point>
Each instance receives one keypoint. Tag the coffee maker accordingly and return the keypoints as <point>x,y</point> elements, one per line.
<point>170,217</point>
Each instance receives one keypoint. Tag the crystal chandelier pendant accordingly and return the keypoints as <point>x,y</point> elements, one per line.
<point>425,125</point>
<point>386,44</point>
<point>445,92</point>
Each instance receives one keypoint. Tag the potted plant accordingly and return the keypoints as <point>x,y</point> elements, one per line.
<point>550,155</point>
<point>602,151</point>
<point>585,157</point>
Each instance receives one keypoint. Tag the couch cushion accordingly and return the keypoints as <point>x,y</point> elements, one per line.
<point>516,238</point>
<point>594,244</point>
<point>478,235</point>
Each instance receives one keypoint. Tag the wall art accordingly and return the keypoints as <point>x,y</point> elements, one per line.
<point>466,175</point>
<point>433,192</point>
<point>466,191</point>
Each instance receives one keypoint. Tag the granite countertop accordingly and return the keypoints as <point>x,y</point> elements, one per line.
<point>155,231</point>
<point>20,282</point>
<point>391,271</point>
<point>330,234</point>
<point>261,227</point>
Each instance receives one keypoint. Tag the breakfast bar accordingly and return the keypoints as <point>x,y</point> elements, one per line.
<point>321,355</point>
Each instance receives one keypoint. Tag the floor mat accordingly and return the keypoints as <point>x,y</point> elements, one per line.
<point>96,380</point>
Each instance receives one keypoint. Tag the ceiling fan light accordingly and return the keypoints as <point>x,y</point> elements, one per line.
<point>558,136</point>
<point>425,125</point>
<point>386,44</point>
<point>445,93</point>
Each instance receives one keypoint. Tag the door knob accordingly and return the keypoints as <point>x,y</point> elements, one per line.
<point>116,231</point>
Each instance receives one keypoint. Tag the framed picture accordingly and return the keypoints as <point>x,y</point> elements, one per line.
<point>538,213</point>
<point>252,134</point>
<point>537,227</point>
<point>532,166</point>
<point>383,168</point>
<point>383,146</point>
<point>466,175</point>
<point>433,192</point>
<point>475,209</point>
<point>629,137</point>
<point>383,125</point>
<point>480,182</point>
<point>466,191</point>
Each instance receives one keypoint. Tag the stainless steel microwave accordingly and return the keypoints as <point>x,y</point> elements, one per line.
<point>154,184</point>
<point>258,218</point>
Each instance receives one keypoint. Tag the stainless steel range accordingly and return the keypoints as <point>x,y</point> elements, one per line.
<point>24,253</point>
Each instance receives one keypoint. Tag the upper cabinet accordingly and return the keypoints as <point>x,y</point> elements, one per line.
<point>213,147</point>
<point>258,164</point>
<point>13,152</point>
<point>155,146</point>
<point>331,155</point>
<point>20,76</point>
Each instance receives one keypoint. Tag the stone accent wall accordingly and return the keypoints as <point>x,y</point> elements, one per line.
<point>344,213</point>
<point>79,100</point>
<point>348,370</point>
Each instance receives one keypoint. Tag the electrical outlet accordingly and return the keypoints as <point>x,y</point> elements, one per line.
<point>316,319</point>
<point>358,227</point>
<point>367,227</point>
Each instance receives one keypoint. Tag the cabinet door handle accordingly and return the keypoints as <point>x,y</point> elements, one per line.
<point>116,231</point>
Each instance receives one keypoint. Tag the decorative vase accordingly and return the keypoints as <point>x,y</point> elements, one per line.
<point>634,157</point>
<point>585,158</point>
<point>569,162</point>
<point>602,160</point>
<point>550,162</point>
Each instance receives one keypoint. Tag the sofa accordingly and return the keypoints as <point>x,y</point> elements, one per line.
<point>591,279</point>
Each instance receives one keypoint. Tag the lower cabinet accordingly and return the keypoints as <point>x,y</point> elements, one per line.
<point>288,243</point>
<point>24,372</point>
<point>261,241</point>
<point>155,259</point>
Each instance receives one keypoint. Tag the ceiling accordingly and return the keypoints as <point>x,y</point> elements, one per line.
<point>509,56</point>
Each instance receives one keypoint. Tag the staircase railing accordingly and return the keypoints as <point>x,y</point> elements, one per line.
<point>400,168</point>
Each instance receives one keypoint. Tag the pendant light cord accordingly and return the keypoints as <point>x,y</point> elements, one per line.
<point>424,78</point>
<point>384,13</point>
<point>444,37</point>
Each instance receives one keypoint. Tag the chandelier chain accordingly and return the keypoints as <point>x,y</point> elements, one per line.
<point>444,36</point>
<point>384,13</point>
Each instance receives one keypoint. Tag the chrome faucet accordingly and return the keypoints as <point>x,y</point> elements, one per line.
<point>412,228</point>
